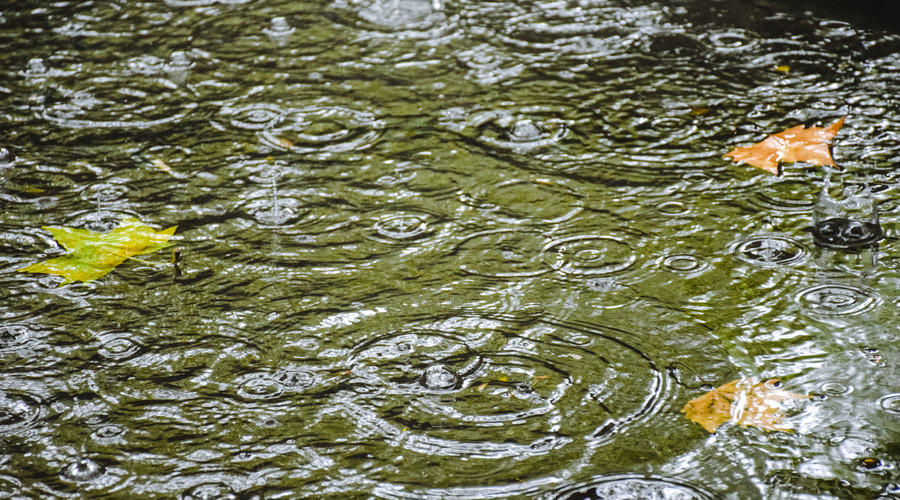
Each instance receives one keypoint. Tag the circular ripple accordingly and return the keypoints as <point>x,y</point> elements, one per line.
<point>466,376</point>
<point>537,201</point>
<point>590,255</point>
<point>256,116</point>
<point>890,403</point>
<point>259,386</point>
<point>83,470</point>
<point>771,251</point>
<point>400,227</point>
<point>118,346</point>
<point>294,380</point>
<point>108,432</point>
<point>426,359</point>
<point>327,129</point>
<point>835,388</point>
<point>391,16</point>
<point>838,299</point>
<point>505,253</point>
<point>209,491</point>
<point>628,486</point>
<point>786,197</point>
<point>487,65</point>
<point>19,411</point>
<point>684,263</point>
<point>113,104</point>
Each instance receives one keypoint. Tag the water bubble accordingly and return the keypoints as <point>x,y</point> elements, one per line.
<point>440,377</point>
<point>890,403</point>
<point>590,255</point>
<point>83,470</point>
<point>837,299</point>
<point>771,251</point>
<point>209,491</point>
<point>259,386</point>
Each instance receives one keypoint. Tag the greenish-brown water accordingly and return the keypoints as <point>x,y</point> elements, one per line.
<point>442,250</point>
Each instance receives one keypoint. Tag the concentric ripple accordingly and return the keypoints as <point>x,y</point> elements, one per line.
<point>392,15</point>
<point>838,299</point>
<point>592,255</point>
<point>19,411</point>
<point>324,129</point>
<point>465,376</point>
<point>259,386</point>
<point>520,131</point>
<point>771,251</point>
<point>116,105</point>
<point>684,263</point>
<point>890,403</point>
<point>256,116</point>
<point>633,486</point>
<point>522,201</point>
<point>400,227</point>
<point>504,253</point>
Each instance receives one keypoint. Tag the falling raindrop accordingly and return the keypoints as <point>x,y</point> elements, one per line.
<point>279,31</point>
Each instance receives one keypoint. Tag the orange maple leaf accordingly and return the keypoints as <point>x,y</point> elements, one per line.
<point>794,144</point>
<point>742,401</point>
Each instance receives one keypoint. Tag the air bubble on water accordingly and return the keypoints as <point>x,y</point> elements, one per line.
<point>83,470</point>
<point>440,377</point>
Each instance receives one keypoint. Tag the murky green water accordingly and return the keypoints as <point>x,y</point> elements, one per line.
<point>441,250</point>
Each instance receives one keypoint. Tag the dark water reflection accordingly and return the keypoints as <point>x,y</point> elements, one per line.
<point>441,249</point>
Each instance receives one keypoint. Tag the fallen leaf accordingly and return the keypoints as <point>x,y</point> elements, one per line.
<point>93,255</point>
<point>784,68</point>
<point>809,145</point>
<point>744,402</point>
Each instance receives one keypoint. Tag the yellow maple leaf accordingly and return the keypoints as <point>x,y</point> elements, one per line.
<point>92,255</point>
<point>809,145</point>
<point>744,402</point>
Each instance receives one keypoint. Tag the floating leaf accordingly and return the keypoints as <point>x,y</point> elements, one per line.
<point>794,144</point>
<point>92,255</point>
<point>741,401</point>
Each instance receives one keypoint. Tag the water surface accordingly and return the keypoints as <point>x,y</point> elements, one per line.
<point>438,249</point>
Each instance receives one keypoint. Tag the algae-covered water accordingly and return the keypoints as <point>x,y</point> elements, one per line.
<point>444,249</point>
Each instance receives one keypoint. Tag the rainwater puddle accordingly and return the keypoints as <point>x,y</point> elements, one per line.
<point>445,249</point>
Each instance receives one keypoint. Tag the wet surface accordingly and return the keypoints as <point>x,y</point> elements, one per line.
<point>440,249</point>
